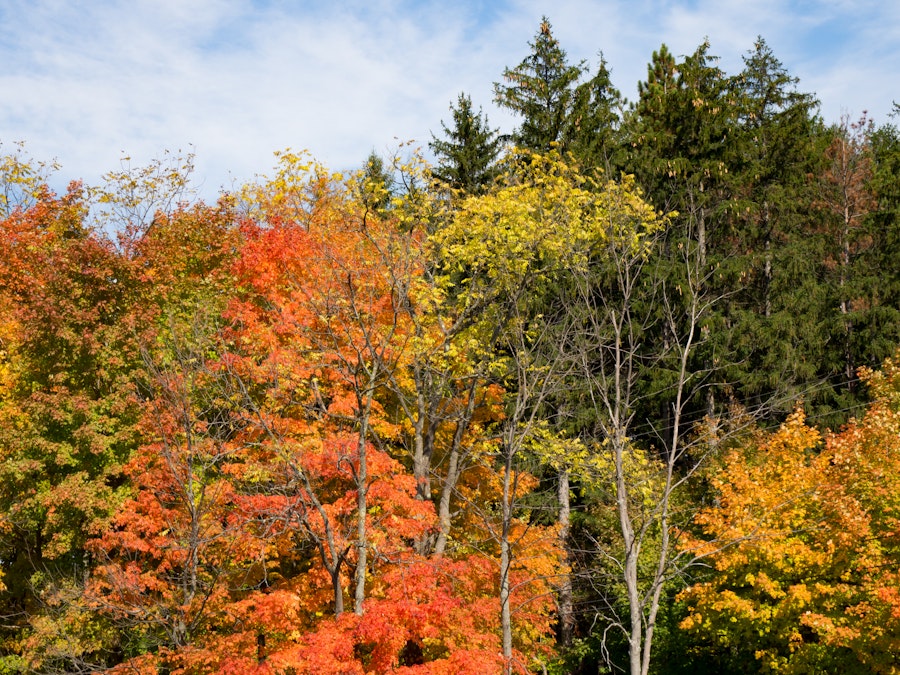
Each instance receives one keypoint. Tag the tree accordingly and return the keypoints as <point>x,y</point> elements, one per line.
<point>858,230</point>
<point>177,552</point>
<point>677,131</point>
<point>376,183</point>
<point>467,158</point>
<point>68,416</point>
<point>541,89</point>
<point>614,302</point>
<point>549,232</point>
<point>341,284</point>
<point>777,339</point>
<point>802,539</point>
<point>23,180</point>
<point>82,316</point>
<point>650,128</point>
<point>847,200</point>
<point>512,243</point>
<point>132,197</point>
<point>595,115</point>
<point>335,320</point>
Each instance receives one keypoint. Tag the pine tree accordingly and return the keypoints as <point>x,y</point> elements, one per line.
<point>467,157</point>
<point>873,286</point>
<point>595,122</point>
<point>676,135</point>
<point>541,89</point>
<point>778,339</point>
<point>678,128</point>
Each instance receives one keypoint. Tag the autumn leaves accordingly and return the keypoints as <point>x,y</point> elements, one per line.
<point>296,432</point>
<point>803,542</point>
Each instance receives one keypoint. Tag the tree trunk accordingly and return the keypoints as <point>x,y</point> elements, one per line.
<point>453,472</point>
<point>362,494</point>
<point>505,564</point>
<point>632,553</point>
<point>338,591</point>
<point>566,609</point>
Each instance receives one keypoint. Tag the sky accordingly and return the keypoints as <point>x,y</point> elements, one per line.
<point>88,82</point>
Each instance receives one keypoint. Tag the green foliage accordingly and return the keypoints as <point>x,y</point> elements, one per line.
<point>467,157</point>
<point>68,417</point>
<point>779,305</point>
<point>541,89</point>
<point>594,127</point>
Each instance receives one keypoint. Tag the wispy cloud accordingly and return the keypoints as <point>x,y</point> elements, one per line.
<point>85,81</point>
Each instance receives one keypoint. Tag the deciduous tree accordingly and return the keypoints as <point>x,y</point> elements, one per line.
<point>803,543</point>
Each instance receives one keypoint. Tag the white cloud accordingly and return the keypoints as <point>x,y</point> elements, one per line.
<point>239,79</point>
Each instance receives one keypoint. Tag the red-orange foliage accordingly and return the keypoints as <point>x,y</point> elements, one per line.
<point>261,480</point>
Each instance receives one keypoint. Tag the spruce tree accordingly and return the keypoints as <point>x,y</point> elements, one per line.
<point>867,312</point>
<point>777,337</point>
<point>541,89</point>
<point>845,200</point>
<point>467,156</point>
<point>677,129</point>
<point>676,135</point>
<point>595,121</point>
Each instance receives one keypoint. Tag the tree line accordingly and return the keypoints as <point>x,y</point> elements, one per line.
<point>610,393</point>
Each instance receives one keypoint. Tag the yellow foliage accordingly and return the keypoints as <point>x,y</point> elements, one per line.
<point>803,538</point>
<point>22,180</point>
<point>131,197</point>
<point>545,218</point>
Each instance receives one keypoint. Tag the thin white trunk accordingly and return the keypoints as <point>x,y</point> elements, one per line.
<point>566,606</point>
<point>505,564</point>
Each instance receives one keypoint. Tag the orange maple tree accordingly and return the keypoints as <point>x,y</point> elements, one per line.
<point>274,485</point>
<point>804,543</point>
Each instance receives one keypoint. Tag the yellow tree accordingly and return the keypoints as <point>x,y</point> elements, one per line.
<point>804,544</point>
<point>865,459</point>
<point>776,536</point>
<point>504,256</point>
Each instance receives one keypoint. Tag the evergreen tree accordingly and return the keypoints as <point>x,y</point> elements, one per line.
<point>676,134</point>
<point>650,128</point>
<point>846,200</point>
<point>777,340</point>
<point>677,130</point>
<point>541,89</point>
<point>467,157</point>
<point>661,75</point>
<point>595,122</point>
<point>376,183</point>
<point>874,279</point>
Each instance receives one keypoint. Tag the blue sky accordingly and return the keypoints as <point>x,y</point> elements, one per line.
<point>235,80</point>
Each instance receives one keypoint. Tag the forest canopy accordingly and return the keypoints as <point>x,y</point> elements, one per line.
<point>616,390</point>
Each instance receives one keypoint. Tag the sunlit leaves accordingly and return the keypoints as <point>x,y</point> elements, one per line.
<point>546,218</point>
<point>23,180</point>
<point>804,543</point>
<point>132,196</point>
